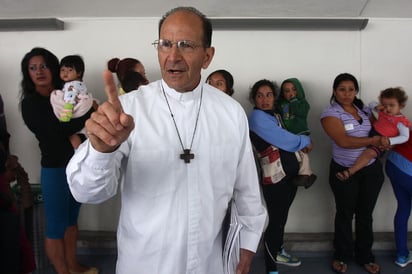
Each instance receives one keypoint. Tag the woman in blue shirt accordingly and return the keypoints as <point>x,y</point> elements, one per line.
<point>266,131</point>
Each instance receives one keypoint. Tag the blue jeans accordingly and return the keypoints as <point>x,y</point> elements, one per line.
<point>402,187</point>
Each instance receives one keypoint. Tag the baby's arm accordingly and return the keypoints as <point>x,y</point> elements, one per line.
<point>402,137</point>
<point>375,107</point>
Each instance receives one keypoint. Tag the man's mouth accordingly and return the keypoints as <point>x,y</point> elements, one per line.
<point>174,71</point>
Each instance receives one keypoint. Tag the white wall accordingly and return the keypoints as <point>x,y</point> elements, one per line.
<point>378,56</point>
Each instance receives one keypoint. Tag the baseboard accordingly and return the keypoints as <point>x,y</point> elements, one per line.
<point>105,241</point>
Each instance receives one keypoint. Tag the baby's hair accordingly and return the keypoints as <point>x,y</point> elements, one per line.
<point>73,61</point>
<point>398,93</point>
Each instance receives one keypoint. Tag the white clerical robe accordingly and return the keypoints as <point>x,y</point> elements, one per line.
<point>172,211</point>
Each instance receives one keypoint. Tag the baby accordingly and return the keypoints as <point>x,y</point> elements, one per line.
<point>294,108</point>
<point>390,123</point>
<point>73,100</point>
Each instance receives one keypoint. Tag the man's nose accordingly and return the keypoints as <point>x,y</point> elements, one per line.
<point>175,52</point>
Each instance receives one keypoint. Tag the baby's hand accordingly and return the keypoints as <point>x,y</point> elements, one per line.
<point>293,97</point>
<point>379,107</point>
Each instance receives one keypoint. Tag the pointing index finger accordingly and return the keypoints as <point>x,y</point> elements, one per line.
<point>111,91</point>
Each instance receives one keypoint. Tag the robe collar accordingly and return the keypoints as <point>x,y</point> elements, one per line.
<point>183,96</point>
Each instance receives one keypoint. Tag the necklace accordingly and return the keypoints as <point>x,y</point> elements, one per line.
<point>186,156</point>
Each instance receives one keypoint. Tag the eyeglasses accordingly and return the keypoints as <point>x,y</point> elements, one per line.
<point>35,68</point>
<point>184,46</point>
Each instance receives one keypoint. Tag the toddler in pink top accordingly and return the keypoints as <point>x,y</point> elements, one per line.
<point>390,122</point>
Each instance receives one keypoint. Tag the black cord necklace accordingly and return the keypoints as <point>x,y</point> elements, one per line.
<point>186,155</point>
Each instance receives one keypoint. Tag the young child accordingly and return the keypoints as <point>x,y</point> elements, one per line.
<point>73,100</point>
<point>390,122</point>
<point>293,107</point>
<point>71,72</point>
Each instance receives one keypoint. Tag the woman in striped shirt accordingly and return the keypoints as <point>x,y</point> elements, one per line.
<point>346,122</point>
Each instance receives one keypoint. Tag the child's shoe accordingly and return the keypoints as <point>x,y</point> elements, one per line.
<point>403,261</point>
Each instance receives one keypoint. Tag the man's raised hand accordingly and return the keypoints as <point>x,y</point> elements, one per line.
<point>109,126</point>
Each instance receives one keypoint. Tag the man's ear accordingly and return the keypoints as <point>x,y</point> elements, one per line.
<point>210,52</point>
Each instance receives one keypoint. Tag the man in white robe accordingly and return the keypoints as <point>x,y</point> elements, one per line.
<point>173,203</point>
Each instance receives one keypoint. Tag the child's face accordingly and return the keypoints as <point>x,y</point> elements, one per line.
<point>391,106</point>
<point>289,91</point>
<point>69,74</point>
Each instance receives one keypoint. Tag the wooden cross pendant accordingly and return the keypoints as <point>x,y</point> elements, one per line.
<point>187,156</point>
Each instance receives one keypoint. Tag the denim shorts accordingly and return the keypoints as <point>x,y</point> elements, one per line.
<point>61,209</point>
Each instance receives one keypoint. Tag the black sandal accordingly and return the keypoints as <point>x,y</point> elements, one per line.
<point>372,268</point>
<point>339,266</point>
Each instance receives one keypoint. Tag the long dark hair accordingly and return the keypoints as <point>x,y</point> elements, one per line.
<point>347,77</point>
<point>27,85</point>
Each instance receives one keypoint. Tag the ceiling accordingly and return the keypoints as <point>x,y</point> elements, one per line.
<point>212,8</point>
